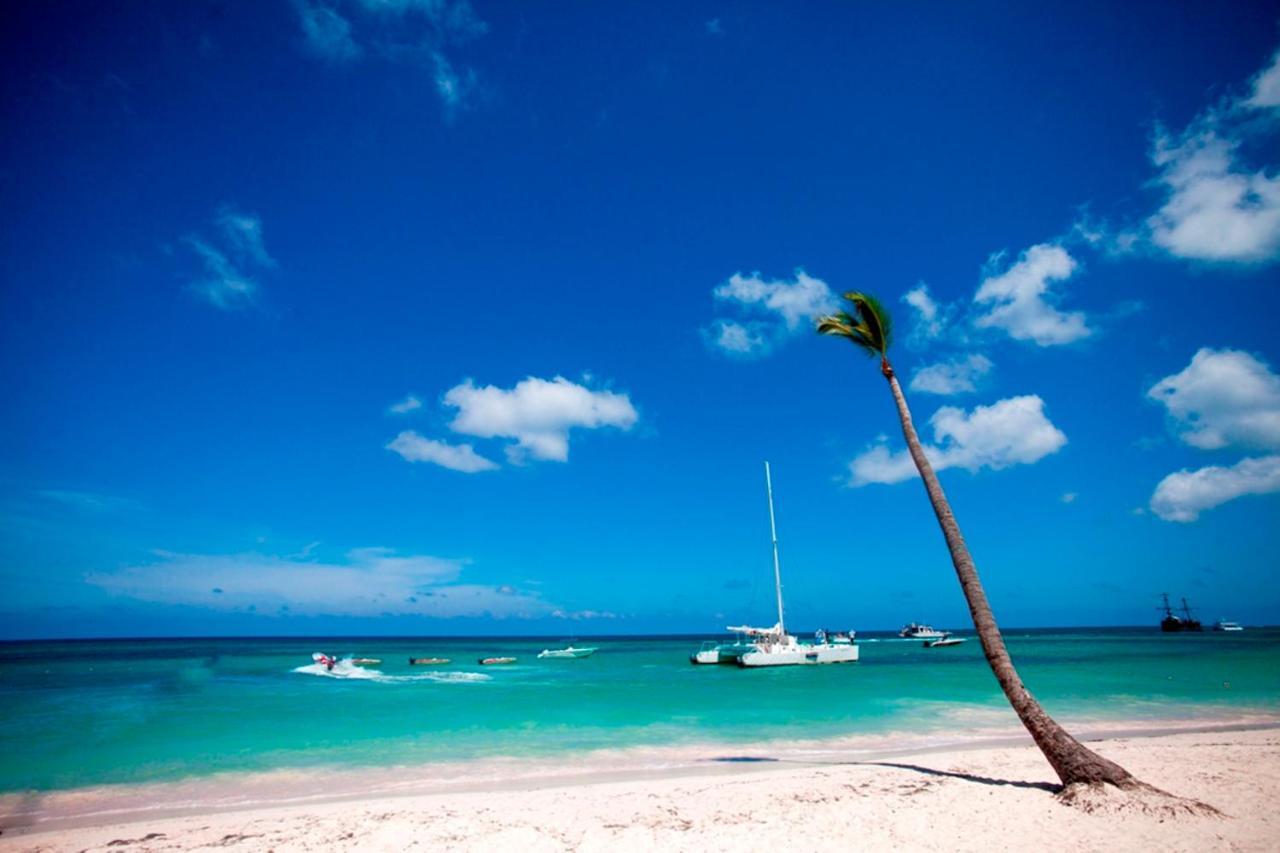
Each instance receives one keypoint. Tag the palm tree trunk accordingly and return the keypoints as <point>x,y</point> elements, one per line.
<point>1072,761</point>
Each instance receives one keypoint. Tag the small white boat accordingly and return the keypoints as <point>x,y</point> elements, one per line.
<point>1224,625</point>
<point>912,631</point>
<point>570,651</point>
<point>944,640</point>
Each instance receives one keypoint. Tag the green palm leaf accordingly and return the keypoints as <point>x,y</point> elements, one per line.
<point>869,327</point>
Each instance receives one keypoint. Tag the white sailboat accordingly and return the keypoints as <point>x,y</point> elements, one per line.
<point>774,646</point>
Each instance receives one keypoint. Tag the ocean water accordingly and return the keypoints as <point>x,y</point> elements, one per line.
<point>129,711</point>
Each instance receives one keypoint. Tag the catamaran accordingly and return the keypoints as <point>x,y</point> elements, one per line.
<point>774,646</point>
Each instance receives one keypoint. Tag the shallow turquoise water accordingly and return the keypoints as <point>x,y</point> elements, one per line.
<point>78,713</point>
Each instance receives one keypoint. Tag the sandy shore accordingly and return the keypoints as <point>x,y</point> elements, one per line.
<point>987,797</point>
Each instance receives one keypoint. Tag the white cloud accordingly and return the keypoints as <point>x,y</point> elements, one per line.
<point>795,302</point>
<point>455,89</point>
<point>928,320</point>
<point>412,32</point>
<point>1183,495</point>
<point>225,282</point>
<point>1223,397</point>
<point>368,582</point>
<point>222,284</point>
<point>951,377</point>
<point>1022,303</point>
<point>90,501</point>
<point>1214,210</point>
<point>579,615</point>
<point>1266,86</point>
<point>327,32</point>
<point>537,413</point>
<point>243,233</point>
<point>408,404</point>
<point>1009,432</point>
<point>461,457</point>
<point>785,309</point>
<point>738,338</point>
<point>1101,237</point>
<point>1217,209</point>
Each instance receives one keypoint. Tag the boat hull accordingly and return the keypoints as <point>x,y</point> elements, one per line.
<point>800,656</point>
<point>920,632</point>
<point>566,653</point>
<point>722,654</point>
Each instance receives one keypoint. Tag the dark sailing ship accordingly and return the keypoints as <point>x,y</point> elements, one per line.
<point>1173,622</point>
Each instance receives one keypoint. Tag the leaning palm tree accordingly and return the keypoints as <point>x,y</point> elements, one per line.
<point>868,327</point>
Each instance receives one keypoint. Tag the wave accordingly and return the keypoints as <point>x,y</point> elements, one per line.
<point>347,670</point>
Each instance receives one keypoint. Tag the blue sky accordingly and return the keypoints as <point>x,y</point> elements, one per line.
<point>424,317</point>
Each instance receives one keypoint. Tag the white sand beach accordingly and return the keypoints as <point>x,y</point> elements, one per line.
<point>988,797</point>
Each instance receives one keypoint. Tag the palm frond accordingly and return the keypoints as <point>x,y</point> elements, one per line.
<point>876,317</point>
<point>844,325</point>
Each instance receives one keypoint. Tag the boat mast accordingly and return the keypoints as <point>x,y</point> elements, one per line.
<point>773,532</point>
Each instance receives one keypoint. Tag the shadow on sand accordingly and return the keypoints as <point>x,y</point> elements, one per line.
<point>915,768</point>
<point>21,813</point>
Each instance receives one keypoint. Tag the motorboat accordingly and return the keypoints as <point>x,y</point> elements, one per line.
<point>366,661</point>
<point>570,651</point>
<point>495,661</point>
<point>914,631</point>
<point>1224,625</point>
<point>427,661</point>
<point>944,640</point>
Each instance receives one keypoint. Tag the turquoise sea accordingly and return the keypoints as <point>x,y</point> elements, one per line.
<point>127,711</point>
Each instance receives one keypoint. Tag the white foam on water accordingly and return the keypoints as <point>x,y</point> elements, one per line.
<point>346,669</point>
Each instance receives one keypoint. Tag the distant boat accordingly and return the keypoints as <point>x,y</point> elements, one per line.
<point>569,651</point>
<point>366,661</point>
<point>944,640</point>
<point>913,631</point>
<point>326,661</point>
<point>836,638</point>
<point>1172,623</point>
<point>774,646</point>
<point>493,661</point>
<point>427,661</point>
<point>1224,625</point>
